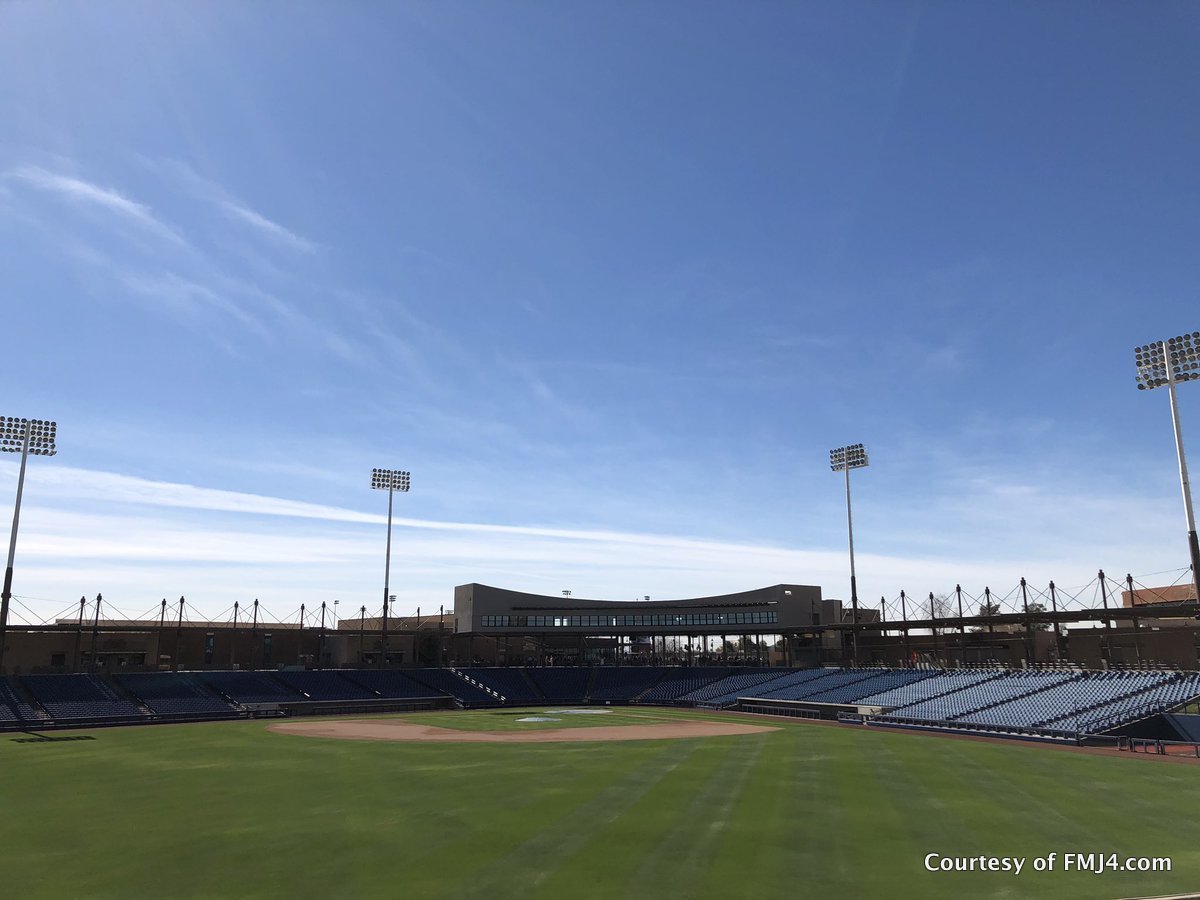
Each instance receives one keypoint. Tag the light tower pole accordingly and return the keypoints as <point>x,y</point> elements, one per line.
<point>843,459</point>
<point>1167,363</point>
<point>24,436</point>
<point>389,480</point>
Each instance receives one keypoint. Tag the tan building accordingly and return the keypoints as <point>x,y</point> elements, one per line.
<point>1176,593</point>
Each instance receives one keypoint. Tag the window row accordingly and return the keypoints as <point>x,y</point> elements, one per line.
<point>740,618</point>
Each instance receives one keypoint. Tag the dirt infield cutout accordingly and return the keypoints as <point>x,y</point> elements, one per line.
<point>395,730</point>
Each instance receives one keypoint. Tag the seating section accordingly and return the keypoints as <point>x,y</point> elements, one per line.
<point>83,697</point>
<point>876,680</point>
<point>796,685</point>
<point>827,680</point>
<point>13,708</point>
<point>740,684</point>
<point>394,685</point>
<point>977,697</point>
<point>1062,701</point>
<point>1156,699</point>
<point>562,684</point>
<point>620,684</point>
<point>325,685</point>
<point>939,683</point>
<point>1067,702</point>
<point>677,682</point>
<point>249,687</point>
<point>173,694</point>
<point>510,683</point>
<point>447,682</point>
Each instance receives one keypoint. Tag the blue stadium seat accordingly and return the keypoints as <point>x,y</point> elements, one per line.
<point>173,694</point>
<point>82,697</point>
<point>620,684</point>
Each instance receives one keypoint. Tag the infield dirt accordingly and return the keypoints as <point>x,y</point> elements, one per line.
<point>377,730</point>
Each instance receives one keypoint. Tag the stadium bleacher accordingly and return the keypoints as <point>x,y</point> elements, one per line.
<point>510,683</point>
<point>1057,702</point>
<point>978,696</point>
<point>324,685</point>
<point>562,684</point>
<point>677,682</point>
<point>739,684</point>
<point>445,681</point>
<point>1062,700</point>
<point>249,687</point>
<point>620,684</point>
<point>80,697</point>
<point>852,691</point>
<point>938,683</point>
<point>392,684</point>
<point>794,685</point>
<point>1130,707</point>
<point>173,694</point>
<point>13,708</point>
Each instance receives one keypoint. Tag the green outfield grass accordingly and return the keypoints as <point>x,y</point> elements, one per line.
<point>233,810</point>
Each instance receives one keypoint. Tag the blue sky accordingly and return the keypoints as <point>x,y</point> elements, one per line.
<point>610,279</point>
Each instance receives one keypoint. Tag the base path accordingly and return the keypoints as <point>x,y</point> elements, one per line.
<point>395,730</point>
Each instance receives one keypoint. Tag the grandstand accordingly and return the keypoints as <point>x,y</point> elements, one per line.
<point>174,694</point>
<point>83,697</point>
<point>15,710</point>
<point>620,685</point>
<point>392,684</point>
<point>1056,704</point>
<point>562,684</point>
<point>677,682</point>
<point>243,688</point>
<point>325,686</point>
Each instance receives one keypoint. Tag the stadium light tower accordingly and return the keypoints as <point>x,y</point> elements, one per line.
<point>1170,362</point>
<point>843,459</point>
<point>24,436</point>
<point>391,481</point>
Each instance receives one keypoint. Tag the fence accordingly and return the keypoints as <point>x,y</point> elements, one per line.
<point>1160,748</point>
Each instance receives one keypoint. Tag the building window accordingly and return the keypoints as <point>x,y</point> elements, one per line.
<point>631,621</point>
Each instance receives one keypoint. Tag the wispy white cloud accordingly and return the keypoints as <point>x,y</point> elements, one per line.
<point>548,398</point>
<point>109,487</point>
<point>271,229</point>
<point>175,294</point>
<point>85,192</point>
<point>65,482</point>
<point>187,538</point>
<point>197,287</point>
<point>230,205</point>
<point>130,555</point>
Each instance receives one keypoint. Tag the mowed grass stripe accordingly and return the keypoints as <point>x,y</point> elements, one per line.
<point>967,799</point>
<point>678,864</point>
<point>960,799</point>
<point>514,860</point>
<point>615,845</point>
<point>247,826</point>
<point>1101,798</point>
<point>767,843</point>
<point>662,842</point>
<point>937,796</point>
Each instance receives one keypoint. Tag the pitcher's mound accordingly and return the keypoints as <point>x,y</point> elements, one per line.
<point>395,730</point>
